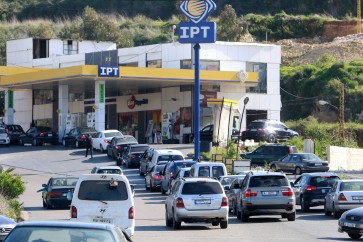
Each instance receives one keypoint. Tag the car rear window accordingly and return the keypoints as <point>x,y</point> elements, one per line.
<point>139,148</point>
<point>256,125</point>
<point>87,130</point>
<point>323,181</point>
<point>44,129</point>
<point>268,181</point>
<point>177,166</point>
<point>170,157</point>
<point>186,173</point>
<point>193,188</point>
<point>351,186</point>
<point>109,171</point>
<point>16,128</point>
<point>126,140</point>
<point>113,134</point>
<point>95,190</point>
<point>159,168</point>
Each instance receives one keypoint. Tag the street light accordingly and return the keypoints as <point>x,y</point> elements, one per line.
<point>245,101</point>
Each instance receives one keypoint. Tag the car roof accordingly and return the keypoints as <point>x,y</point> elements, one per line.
<point>67,224</point>
<point>264,173</point>
<point>110,131</point>
<point>209,163</point>
<point>168,151</point>
<point>105,176</point>
<point>108,167</point>
<point>196,179</point>
<point>320,174</point>
<point>6,220</point>
<point>64,177</point>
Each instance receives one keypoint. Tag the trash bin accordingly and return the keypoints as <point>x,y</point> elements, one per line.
<point>205,146</point>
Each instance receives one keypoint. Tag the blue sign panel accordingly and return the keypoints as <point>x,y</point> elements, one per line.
<point>203,32</point>
<point>109,71</point>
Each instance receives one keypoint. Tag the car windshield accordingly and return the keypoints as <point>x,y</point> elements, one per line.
<point>58,234</point>
<point>87,130</point>
<point>193,188</point>
<point>323,181</point>
<point>126,140</point>
<point>170,157</point>
<point>268,181</point>
<point>101,190</point>
<point>109,171</point>
<point>310,158</point>
<point>112,134</point>
<point>351,186</point>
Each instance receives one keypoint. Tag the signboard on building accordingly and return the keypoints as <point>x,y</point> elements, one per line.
<point>108,71</point>
<point>102,93</point>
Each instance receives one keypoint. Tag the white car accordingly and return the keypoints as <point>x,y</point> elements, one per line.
<point>101,139</point>
<point>4,137</point>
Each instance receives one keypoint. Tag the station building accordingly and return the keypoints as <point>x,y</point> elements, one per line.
<point>138,90</point>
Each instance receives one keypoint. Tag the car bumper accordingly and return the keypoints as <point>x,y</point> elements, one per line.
<point>348,226</point>
<point>134,162</point>
<point>5,141</point>
<point>275,209</point>
<point>156,183</point>
<point>345,207</point>
<point>60,202</point>
<point>183,214</point>
<point>316,200</point>
<point>48,140</point>
<point>316,169</point>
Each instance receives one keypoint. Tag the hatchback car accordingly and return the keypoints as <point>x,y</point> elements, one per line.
<point>101,139</point>
<point>196,200</point>
<point>77,136</point>
<point>39,135</point>
<point>66,231</point>
<point>14,131</point>
<point>345,195</point>
<point>4,137</point>
<point>54,193</point>
<point>6,225</point>
<point>131,157</point>
<point>267,153</point>
<point>351,222</point>
<point>266,193</point>
<point>107,170</point>
<point>311,188</point>
<point>298,163</point>
<point>153,177</point>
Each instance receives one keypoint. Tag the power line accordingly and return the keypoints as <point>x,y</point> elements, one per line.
<point>298,96</point>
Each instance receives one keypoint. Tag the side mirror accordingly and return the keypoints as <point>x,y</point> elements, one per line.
<point>44,185</point>
<point>292,184</point>
<point>69,196</point>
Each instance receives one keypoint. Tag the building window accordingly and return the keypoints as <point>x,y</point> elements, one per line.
<point>43,97</point>
<point>70,47</point>
<point>204,65</point>
<point>76,96</point>
<point>153,63</point>
<point>132,64</point>
<point>40,48</point>
<point>261,68</point>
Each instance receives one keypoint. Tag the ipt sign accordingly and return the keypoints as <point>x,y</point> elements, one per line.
<point>197,31</point>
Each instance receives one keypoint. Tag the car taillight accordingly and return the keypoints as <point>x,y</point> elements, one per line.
<point>73,212</point>
<point>83,136</point>
<point>41,134</point>
<point>261,130</point>
<point>249,193</point>
<point>342,197</point>
<point>106,141</point>
<point>132,156</point>
<point>117,147</point>
<point>157,176</point>
<point>131,213</point>
<point>290,150</point>
<point>171,174</point>
<point>224,202</point>
<point>55,194</point>
<point>310,188</point>
<point>179,203</point>
<point>289,192</point>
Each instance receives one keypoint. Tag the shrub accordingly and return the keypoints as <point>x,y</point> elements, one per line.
<point>11,186</point>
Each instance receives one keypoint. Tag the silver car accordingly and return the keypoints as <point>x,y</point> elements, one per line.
<point>345,195</point>
<point>196,200</point>
<point>266,193</point>
<point>6,225</point>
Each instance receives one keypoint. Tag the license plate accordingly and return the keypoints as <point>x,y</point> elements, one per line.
<point>318,164</point>
<point>274,193</point>
<point>64,194</point>
<point>202,201</point>
<point>102,220</point>
<point>357,197</point>
<point>50,135</point>
<point>349,224</point>
<point>324,190</point>
<point>253,129</point>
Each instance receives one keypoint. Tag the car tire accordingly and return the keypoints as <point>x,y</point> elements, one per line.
<point>140,172</point>
<point>291,216</point>
<point>215,223</point>
<point>34,142</point>
<point>146,187</point>
<point>304,206</point>
<point>101,149</point>
<point>176,224</point>
<point>108,153</point>
<point>326,211</point>
<point>336,214</point>
<point>244,216</point>
<point>77,144</point>
<point>224,224</point>
<point>152,188</point>
<point>168,221</point>
<point>44,204</point>
<point>354,236</point>
<point>271,138</point>
<point>21,142</point>
<point>297,171</point>
<point>64,143</point>
<point>238,214</point>
<point>273,168</point>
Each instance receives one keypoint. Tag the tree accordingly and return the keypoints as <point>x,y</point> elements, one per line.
<point>229,28</point>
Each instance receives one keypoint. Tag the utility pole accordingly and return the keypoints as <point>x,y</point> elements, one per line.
<point>341,110</point>
<point>359,25</point>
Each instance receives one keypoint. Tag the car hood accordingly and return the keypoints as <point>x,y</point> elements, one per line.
<point>355,212</point>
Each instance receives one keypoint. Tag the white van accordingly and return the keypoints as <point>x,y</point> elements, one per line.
<point>208,169</point>
<point>104,198</point>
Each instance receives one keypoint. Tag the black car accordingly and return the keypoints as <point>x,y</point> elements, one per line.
<point>39,135</point>
<point>14,131</point>
<point>311,188</point>
<point>118,145</point>
<point>268,130</point>
<point>54,193</point>
<point>77,136</point>
<point>153,178</point>
<point>170,171</point>
<point>298,163</point>
<point>351,222</point>
<point>131,157</point>
<point>267,153</point>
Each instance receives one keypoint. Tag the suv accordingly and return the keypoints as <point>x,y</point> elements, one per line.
<point>196,200</point>
<point>268,130</point>
<point>311,188</point>
<point>14,131</point>
<point>268,152</point>
<point>266,193</point>
<point>170,171</point>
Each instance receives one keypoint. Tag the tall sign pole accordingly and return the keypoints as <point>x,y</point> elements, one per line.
<point>194,32</point>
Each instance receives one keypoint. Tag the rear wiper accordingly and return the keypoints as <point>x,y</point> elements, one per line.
<point>102,201</point>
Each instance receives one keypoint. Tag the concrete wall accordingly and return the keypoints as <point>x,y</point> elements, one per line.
<point>23,108</point>
<point>341,158</point>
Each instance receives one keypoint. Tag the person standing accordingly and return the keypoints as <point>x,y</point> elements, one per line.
<point>89,145</point>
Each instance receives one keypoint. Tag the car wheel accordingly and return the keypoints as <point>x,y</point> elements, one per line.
<point>244,216</point>
<point>271,138</point>
<point>168,221</point>
<point>108,153</point>
<point>176,225</point>
<point>234,208</point>
<point>101,149</point>
<point>273,168</point>
<point>215,223</point>
<point>44,204</point>
<point>64,143</point>
<point>21,142</point>
<point>34,143</point>
<point>77,144</point>
<point>326,211</point>
<point>304,206</point>
<point>238,214</point>
<point>354,236</point>
<point>291,216</point>
<point>336,214</point>
<point>297,171</point>
<point>224,224</point>
<point>140,172</point>
<point>162,190</point>
<point>146,187</point>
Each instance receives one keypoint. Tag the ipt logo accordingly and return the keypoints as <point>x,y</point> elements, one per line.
<point>197,10</point>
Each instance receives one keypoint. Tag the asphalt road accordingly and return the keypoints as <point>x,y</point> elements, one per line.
<point>37,164</point>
